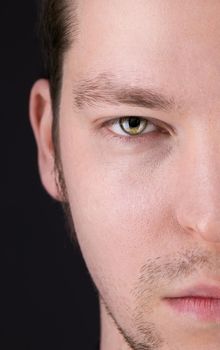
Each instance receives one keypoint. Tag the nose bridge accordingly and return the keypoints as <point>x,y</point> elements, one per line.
<point>198,205</point>
<point>203,168</point>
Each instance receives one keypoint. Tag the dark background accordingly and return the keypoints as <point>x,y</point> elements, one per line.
<point>48,300</point>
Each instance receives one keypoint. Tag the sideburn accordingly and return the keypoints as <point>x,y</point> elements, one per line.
<point>60,181</point>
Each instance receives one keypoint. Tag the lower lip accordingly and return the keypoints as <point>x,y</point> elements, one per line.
<point>200,308</point>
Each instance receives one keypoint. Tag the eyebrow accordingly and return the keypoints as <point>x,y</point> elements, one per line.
<point>104,88</point>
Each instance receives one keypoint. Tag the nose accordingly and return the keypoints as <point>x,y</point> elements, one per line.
<point>198,189</point>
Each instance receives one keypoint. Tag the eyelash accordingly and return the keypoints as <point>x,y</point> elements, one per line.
<point>162,129</point>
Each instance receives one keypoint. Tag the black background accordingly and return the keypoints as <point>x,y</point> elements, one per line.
<point>48,300</point>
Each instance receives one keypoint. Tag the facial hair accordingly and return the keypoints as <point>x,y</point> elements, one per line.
<point>156,273</point>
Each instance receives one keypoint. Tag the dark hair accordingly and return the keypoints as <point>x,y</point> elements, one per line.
<point>57,30</point>
<point>57,26</point>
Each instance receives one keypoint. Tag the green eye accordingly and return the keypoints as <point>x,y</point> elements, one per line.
<point>133,125</point>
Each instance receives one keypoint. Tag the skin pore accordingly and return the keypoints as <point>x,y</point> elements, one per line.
<point>145,206</point>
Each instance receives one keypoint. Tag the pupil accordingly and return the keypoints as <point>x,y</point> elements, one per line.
<point>134,122</point>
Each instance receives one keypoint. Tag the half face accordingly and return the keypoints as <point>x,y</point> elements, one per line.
<point>139,138</point>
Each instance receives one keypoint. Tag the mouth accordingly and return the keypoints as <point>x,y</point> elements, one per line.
<point>200,302</point>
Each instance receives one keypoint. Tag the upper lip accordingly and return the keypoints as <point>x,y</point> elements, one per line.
<point>199,291</point>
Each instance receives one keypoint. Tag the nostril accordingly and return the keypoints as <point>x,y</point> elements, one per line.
<point>190,229</point>
<point>206,226</point>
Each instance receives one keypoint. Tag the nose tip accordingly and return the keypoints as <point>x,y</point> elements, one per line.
<point>209,228</point>
<point>197,195</point>
<point>206,226</point>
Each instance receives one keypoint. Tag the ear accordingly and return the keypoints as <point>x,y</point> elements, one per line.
<point>41,118</point>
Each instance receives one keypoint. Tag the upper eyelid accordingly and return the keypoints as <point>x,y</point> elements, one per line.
<point>115,119</point>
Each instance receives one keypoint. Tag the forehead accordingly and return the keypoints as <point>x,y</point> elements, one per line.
<point>172,44</point>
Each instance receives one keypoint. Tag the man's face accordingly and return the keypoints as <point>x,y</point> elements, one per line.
<point>144,193</point>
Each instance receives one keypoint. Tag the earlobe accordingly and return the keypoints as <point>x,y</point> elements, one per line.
<point>41,118</point>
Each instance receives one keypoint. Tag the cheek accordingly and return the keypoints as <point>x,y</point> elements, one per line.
<point>119,209</point>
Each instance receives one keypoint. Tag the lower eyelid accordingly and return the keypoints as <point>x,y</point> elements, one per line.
<point>144,139</point>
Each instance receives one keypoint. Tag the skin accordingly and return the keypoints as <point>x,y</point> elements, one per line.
<point>145,209</point>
